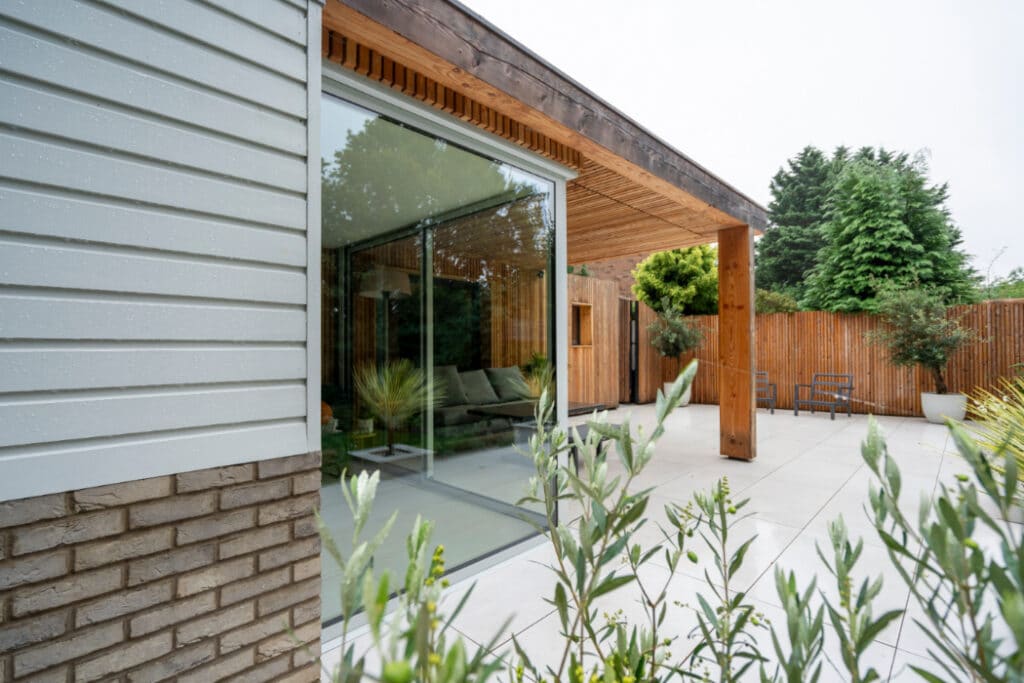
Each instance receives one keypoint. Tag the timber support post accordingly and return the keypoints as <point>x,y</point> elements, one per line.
<point>737,406</point>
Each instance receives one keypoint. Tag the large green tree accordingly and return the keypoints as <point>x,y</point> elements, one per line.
<point>687,279</point>
<point>788,250</point>
<point>886,227</point>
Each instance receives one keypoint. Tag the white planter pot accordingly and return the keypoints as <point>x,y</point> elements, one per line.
<point>667,387</point>
<point>937,407</point>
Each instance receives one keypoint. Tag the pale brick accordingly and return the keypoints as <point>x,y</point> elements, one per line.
<point>306,611</point>
<point>28,510</point>
<point>124,547</point>
<point>288,597</point>
<point>252,494</point>
<point>126,493</point>
<point>286,554</point>
<point>55,675</point>
<point>215,624</point>
<point>74,588</point>
<point>296,463</point>
<point>172,509</point>
<point>263,583</point>
<point>309,653</point>
<point>307,526</point>
<point>174,562</point>
<point>266,671</point>
<point>306,569</point>
<point>253,632</point>
<point>176,663</point>
<point>309,673</point>
<point>74,529</point>
<point>306,482</point>
<point>216,575</point>
<point>28,631</point>
<point>289,508</point>
<point>74,646</point>
<point>215,525</point>
<point>32,569</point>
<point>124,602</point>
<point>223,667</point>
<point>286,642</point>
<point>257,539</point>
<point>180,610</point>
<point>214,478</point>
<point>124,657</point>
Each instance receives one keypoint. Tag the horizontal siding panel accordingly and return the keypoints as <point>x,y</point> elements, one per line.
<point>222,31</point>
<point>126,459</point>
<point>35,368</point>
<point>62,418</point>
<point>34,264</point>
<point>101,126</point>
<point>55,317</point>
<point>125,84</point>
<point>60,166</point>
<point>41,212</point>
<point>140,43</point>
<point>276,17</point>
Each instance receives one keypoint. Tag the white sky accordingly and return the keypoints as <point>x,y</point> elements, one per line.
<point>742,85</point>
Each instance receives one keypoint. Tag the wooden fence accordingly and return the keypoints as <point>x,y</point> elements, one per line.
<point>793,346</point>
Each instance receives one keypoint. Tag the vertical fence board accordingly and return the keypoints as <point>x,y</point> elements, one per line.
<point>794,346</point>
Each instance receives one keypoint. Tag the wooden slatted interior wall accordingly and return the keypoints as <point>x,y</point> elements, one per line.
<point>793,346</point>
<point>518,316</point>
<point>593,368</point>
<point>350,54</point>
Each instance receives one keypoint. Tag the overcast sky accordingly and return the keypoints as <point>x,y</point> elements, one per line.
<point>742,85</point>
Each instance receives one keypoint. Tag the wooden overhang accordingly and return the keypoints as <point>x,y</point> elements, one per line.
<point>633,195</point>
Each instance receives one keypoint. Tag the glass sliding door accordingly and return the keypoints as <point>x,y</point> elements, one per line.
<point>437,333</point>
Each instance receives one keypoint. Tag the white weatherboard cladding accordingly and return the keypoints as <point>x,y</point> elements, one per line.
<point>155,238</point>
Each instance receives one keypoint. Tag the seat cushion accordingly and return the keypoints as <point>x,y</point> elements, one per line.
<point>508,383</point>
<point>448,377</point>
<point>478,389</point>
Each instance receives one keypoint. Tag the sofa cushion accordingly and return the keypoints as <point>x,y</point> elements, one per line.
<point>448,377</point>
<point>508,383</point>
<point>478,389</point>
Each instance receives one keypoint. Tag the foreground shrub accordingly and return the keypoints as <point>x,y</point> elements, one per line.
<point>972,596</point>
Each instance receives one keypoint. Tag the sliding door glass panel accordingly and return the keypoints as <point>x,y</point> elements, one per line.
<point>436,319</point>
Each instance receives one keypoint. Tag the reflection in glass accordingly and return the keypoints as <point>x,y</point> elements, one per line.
<point>437,302</point>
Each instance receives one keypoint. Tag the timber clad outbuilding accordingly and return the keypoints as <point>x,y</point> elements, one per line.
<point>163,406</point>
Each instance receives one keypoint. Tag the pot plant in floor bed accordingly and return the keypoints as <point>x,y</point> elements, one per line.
<point>672,335</point>
<point>917,331</point>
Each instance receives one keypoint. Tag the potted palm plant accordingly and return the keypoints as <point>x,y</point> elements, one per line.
<point>672,335</point>
<point>393,393</point>
<point>918,332</point>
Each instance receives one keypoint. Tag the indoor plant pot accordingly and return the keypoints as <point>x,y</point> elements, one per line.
<point>938,407</point>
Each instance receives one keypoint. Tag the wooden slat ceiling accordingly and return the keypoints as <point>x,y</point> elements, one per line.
<point>609,215</point>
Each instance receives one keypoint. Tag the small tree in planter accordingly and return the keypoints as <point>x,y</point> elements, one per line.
<point>917,331</point>
<point>672,335</point>
<point>393,393</point>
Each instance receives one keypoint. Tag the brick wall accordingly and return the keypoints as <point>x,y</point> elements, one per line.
<point>192,575</point>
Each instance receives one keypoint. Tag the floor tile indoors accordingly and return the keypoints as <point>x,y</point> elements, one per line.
<point>808,472</point>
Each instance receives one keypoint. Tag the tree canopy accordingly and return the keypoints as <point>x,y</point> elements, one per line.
<point>887,227</point>
<point>685,279</point>
<point>846,225</point>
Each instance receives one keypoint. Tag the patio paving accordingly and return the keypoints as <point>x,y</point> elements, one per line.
<point>807,473</point>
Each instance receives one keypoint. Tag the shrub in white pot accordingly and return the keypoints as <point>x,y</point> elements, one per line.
<point>672,335</point>
<point>917,332</point>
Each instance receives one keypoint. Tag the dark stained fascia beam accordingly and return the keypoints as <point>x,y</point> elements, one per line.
<point>465,40</point>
